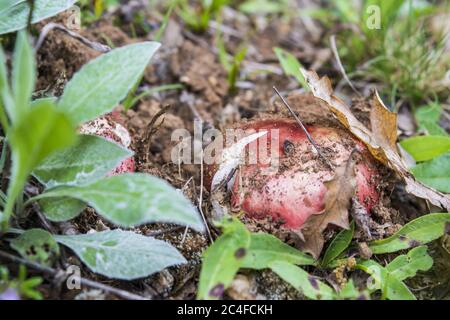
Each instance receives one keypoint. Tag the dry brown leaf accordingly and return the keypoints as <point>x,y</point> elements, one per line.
<point>381,141</point>
<point>340,191</point>
<point>383,123</point>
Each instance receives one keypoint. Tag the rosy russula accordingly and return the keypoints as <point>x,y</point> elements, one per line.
<point>115,132</point>
<point>293,192</point>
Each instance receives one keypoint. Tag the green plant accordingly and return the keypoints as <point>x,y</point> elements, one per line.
<point>132,99</point>
<point>14,13</point>
<point>237,248</point>
<point>433,154</point>
<point>427,118</point>
<point>389,279</point>
<point>21,286</point>
<point>165,21</point>
<point>435,173</point>
<point>72,168</point>
<point>266,7</point>
<point>387,42</point>
<point>231,64</point>
<point>197,18</point>
<point>423,148</point>
<point>291,66</point>
<point>93,10</point>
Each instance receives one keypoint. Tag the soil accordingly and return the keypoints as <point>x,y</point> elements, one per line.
<point>190,59</point>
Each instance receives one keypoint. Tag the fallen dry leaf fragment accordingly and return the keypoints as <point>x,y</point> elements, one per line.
<point>381,140</point>
<point>231,157</point>
<point>340,191</point>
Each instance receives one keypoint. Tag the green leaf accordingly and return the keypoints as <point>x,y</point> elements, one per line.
<point>261,7</point>
<point>15,17</point>
<point>132,100</point>
<point>133,199</point>
<point>431,112</point>
<point>302,281</point>
<point>346,11</point>
<point>425,148</point>
<point>61,209</point>
<point>36,245</point>
<point>265,248</point>
<point>350,292</point>
<point>122,254</point>
<point>165,22</point>
<point>433,128</point>
<point>90,159</point>
<point>291,66</point>
<point>102,83</point>
<point>340,242</point>
<point>6,99</point>
<point>38,101</point>
<point>42,131</point>
<point>407,265</point>
<point>435,173</point>
<point>392,288</point>
<point>8,3</point>
<point>23,75</point>
<point>415,233</point>
<point>223,259</point>
<point>39,133</point>
<point>427,118</point>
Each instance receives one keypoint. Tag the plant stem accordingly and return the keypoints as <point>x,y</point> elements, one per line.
<point>15,189</point>
<point>130,102</point>
<point>311,140</point>
<point>3,119</point>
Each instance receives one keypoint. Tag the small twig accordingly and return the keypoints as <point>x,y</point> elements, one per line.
<point>51,26</point>
<point>199,119</point>
<point>161,232</point>
<point>200,200</point>
<point>89,283</point>
<point>304,129</point>
<point>183,239</point>
<point>151,129</point>
<point>341,67</point>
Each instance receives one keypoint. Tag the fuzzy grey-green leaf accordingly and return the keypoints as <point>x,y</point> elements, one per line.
<point>23,75</point>
<point>14,16</point>
<point>61,209</point>
<point>133,199</point>
<point>122,254</point>
<point>90,159</point>
<point>102,83</point>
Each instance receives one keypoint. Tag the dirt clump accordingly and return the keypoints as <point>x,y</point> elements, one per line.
<point>197,68</point>
<point>59,57</point>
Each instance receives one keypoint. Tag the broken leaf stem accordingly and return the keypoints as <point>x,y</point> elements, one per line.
<point>311,140</point>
